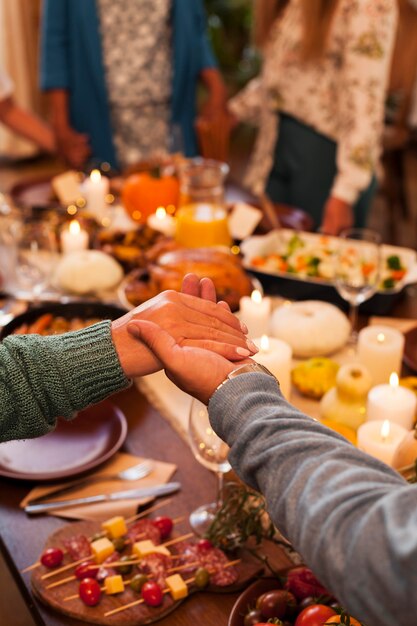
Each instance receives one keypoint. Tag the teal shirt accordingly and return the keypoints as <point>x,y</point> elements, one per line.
<point>71,58</point>
<point>42,378</point>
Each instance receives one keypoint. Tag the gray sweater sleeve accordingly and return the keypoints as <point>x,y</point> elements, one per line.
<point>353,519</point>
<point>42,378</point>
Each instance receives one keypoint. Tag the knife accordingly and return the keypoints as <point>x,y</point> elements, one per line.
<point>144,492</point>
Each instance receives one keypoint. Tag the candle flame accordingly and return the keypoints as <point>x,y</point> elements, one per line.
<point>380,337</point>
<point>160,213</point>
<point>74,227</point>
<point>393,380</point>
<point>256,296</point>
<point>95,176</point>
<point>264,343</point>
<point>385,430</point>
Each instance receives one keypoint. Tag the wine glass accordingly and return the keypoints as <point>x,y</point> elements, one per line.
<point>212,452</point>
<point>37,251</point>
<point>357,270</point>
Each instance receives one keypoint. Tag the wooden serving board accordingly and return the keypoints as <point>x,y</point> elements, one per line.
<point>247,569</point>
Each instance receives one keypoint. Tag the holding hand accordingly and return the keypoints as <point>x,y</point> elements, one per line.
<point>338,215</point>
<point>191,318</point>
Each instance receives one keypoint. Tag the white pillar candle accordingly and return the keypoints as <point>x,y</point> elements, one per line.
<point>73,238</point>
<point>96,188</point>
<point>380,349</point>
<point>276,355</point>
<point>393,403</point>
<point>255,312</point>
<point>162,222</point>
<point>380,438</point>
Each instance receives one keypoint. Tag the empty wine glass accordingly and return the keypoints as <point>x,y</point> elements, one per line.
<point>36,257</point>
<point>212,452</point>
<point>357,270</point>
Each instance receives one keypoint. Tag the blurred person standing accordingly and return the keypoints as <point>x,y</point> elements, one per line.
<point>319,102</point>
<point>123,75</point>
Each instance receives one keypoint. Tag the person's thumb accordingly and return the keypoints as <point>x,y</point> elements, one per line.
<point>154,337</point>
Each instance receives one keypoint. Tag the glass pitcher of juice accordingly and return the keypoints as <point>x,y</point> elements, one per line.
<point>202,215</point>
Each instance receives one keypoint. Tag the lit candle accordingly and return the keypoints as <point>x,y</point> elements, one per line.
<point>162,222</point>
<point>393,403</point>
<point>200,225</point>
<point>276,355</point>
<point>255,312</point>
<point>73,238</point>
<point>96,188</point>
<point>380,438</point>
<point>380,349</point>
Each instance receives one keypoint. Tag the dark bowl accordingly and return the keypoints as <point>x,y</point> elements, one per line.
<point>84,310</point>
<point>247,599</point>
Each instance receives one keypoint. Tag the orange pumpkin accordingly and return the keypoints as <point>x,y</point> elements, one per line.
<point>143,193</point>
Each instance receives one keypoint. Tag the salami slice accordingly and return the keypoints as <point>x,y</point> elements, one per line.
<point>156,565</point>
<point>213,559</point>
<point>78,547</point>
<point>106,569</point>
<point>144,529</point>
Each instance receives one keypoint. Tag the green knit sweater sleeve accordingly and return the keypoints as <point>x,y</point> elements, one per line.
<point>42,378</point>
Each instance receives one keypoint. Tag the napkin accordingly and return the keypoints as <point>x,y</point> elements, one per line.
<point>161,473</point>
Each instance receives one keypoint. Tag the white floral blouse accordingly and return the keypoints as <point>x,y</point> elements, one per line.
<point>341,96</point>
<point>136,44</point>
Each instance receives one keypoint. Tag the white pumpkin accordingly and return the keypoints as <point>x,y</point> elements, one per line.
<point>87,271</point>
<point>311,327</point>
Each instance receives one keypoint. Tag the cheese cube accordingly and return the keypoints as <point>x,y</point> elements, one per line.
<point>114,584</point>
<point>145,547</point>
<point>115,526</point>
<point>101,549</point>
<point>176,586</point>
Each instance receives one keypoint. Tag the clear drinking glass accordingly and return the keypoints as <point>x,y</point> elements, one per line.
<point>37,250</point>
<point>212,452</point>
<point>357,270</point>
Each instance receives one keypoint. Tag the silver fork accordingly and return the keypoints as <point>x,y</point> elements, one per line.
<point>136,472</point>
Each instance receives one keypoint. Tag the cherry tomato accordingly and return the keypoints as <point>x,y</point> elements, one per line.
<point>89,591</point>
<point>205,544</point>
<point>276,603</point>
<point>152,593</point>
<point>52,557</point>
<point>253,617</point>
<point>86,570</point>
<point>164,525</point>
<point>336,619</point>
<point>314,615</point>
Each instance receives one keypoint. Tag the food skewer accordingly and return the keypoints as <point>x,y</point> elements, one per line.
<point>188,581</point>
<point>64,568</point>
<point>171,570</point>
<point>129,520</point>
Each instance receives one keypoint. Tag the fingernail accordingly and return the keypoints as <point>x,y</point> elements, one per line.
<point>252,347</point>
<point>244,328</point>
<point>242,351</point>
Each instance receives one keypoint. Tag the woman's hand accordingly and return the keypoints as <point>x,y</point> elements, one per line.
<point>192,318</point>
<point>337,216</point>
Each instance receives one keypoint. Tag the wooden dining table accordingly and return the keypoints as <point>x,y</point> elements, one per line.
<point>151,436</point>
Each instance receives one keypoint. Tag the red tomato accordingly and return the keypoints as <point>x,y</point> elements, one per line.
<point>204,544</point>
<point>89,591</point>
<point>302,583</point>
<point>164,525</point>
<point>314,615</point>
<point>52,557</point>
<point>86,570</point>
<point>152,593</point>
<point>336,619</point>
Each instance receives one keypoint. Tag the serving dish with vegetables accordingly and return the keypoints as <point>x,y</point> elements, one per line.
<point>301,265</point>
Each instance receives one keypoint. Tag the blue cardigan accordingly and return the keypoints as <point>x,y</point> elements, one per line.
<point>71,58</point>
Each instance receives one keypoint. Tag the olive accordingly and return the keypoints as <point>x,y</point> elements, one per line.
<point>252,617</point>
<point>138,581</point>
<point>119,544</point>
<point>202,578</point>
<point>97,536</point>
<point>125,569</point>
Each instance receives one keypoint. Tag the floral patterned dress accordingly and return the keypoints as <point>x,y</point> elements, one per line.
<point>340,96</point>
<point>136,44</point>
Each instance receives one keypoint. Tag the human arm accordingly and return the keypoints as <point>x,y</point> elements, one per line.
<point>369,38</point>
<point>351,517</point>
<point>55,80</point>
<point>26,124</point>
